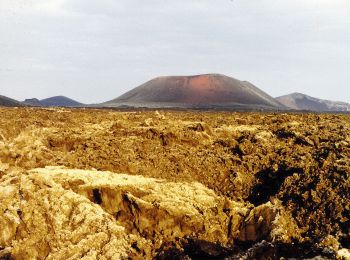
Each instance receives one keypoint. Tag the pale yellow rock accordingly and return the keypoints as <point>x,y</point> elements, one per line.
<point>264,136</point>
<point>153,208</point>
<point>9,219</point>
<point>343,254</point>
<point>27,148</point>
<point>330,242</point>
<point>58,213</point>
<point>234,129</point>
<point>44,220</point>
<point>268,221</point>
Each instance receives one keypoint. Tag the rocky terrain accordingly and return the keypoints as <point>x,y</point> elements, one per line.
<point>300,101</point>
<point>200,91</point>
<point>103,184</point>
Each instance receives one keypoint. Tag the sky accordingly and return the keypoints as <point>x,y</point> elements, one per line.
<point>95,50</point>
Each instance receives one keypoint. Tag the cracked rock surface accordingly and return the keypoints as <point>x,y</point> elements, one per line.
<point>44,220</point>
<point>57,213</point>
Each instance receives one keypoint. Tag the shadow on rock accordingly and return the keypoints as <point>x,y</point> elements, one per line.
<point>199,249</point>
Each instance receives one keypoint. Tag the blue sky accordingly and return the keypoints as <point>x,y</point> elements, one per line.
<point>95,50</point>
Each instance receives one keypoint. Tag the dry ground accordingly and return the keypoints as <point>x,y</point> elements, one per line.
<point>298,163</point>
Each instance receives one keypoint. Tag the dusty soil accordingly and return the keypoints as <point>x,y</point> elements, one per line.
<point>183,184</point>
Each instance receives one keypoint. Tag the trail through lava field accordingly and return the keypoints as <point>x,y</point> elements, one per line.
<point>103,184</point>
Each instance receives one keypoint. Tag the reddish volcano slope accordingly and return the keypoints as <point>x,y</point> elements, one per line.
<point>202,90</point>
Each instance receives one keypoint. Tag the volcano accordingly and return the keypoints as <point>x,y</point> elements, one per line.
<point>200,91</point>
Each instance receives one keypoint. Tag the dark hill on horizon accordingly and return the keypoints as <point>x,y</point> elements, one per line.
<point>9,102</point>
<point>299,101</point>
<point>57,101</point>
<point>201,91</point>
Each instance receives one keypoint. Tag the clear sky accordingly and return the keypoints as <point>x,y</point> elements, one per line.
<point>95,50</point>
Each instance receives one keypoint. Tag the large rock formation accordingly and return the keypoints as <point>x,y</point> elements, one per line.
<point>56,213</point>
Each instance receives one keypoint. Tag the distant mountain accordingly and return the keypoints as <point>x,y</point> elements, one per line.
<point>32,102</point>
<point>60,101</point>
<point>201,91</point>
<point>9,102</point>
<point>57,101</point>
<point>300,101</point>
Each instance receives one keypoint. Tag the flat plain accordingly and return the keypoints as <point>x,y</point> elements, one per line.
<point>101,184</point>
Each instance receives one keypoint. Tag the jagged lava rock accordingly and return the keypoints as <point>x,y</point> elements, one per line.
<point>57,213</point>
